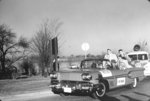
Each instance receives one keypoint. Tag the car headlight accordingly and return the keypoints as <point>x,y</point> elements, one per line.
<point>53,76</point>
<point>86,76</point>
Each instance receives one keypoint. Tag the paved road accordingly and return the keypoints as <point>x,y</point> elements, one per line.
<point>141,93</point>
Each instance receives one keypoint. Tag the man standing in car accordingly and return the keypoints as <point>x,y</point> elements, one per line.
<point>112,58</point>
<point>123,60</point>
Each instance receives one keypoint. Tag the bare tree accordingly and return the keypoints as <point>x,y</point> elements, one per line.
<point>143,45</point>
<point>10,50</point>
<point>41,42</point>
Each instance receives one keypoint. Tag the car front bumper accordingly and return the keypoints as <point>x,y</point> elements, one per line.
<point>71,87</point>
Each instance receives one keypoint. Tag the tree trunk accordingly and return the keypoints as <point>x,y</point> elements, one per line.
<point>42,71</point>
<point>42,68</point>
<point>3,63</point>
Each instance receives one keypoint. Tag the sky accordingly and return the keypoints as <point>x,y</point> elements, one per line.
<point>114,24</point>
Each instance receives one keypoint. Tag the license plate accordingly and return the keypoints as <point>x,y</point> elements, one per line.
<point>67,90</point>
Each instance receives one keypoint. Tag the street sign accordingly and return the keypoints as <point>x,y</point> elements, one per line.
<point>85,46</point>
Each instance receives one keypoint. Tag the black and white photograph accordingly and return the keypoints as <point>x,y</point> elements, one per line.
<point>74,50</point>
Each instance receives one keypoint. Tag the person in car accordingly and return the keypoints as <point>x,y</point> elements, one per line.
<point>113,60</point>
<point>110,56</point>
<point>123,60</point>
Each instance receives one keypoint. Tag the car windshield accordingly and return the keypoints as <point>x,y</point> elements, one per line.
<point>142,57</point>
<point>139,57</point>
<point>92,64</point>
<point>133,57</point>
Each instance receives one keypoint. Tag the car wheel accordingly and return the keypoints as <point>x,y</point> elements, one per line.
<point>55,91</point>
<point>99,91</point>
<point>134,84</point>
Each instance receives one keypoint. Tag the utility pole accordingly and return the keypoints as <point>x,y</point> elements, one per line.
<point>55,53</point>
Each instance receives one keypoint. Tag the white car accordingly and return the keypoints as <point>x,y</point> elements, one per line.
<point>74,66</point>
<point>140,59</point>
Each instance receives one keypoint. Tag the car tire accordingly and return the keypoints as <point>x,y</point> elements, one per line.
<point>55,91</point>
<point>134,84</point>
<point>99,91</point>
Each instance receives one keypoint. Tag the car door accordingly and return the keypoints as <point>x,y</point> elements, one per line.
<point>119,78</point>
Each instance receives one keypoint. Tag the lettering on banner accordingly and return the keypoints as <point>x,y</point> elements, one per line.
<point>120,81</point>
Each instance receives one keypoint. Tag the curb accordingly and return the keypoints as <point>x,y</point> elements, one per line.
<point>27,96</point>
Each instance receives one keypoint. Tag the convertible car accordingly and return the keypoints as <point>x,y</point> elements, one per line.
<point>94,78</point>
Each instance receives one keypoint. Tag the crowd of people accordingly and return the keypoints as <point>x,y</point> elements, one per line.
<point>120,61</point>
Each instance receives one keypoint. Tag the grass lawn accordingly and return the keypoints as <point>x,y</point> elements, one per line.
<point>19,86</point>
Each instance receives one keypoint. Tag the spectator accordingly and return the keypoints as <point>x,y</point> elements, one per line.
<point>54,65</point>
<point>122,55</point>
<point>112,58</point>
<point>123,60</point>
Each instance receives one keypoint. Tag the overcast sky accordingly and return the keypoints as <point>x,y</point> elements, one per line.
<point>103,24</point>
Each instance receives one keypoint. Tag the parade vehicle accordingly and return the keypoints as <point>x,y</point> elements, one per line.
<point>94,77</point>
<point>140,59</point>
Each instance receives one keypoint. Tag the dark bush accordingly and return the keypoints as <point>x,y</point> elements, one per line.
<point>10,73</point>
<point>28,67</point>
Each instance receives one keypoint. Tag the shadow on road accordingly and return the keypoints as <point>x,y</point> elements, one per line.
<point>130,98</point>
<point>106,97</point>
<point>109,98</point>
<point>142,94</point>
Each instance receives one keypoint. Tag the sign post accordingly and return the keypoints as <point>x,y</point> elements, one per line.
<point>85,47</point>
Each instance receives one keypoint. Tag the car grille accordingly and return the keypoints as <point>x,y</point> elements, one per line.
<point>77,84</point>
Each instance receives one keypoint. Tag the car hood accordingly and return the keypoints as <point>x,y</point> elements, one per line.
<point>75,75</point>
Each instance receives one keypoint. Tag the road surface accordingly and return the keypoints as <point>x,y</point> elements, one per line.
<point>141,93</point>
